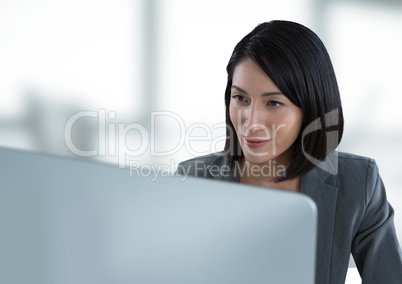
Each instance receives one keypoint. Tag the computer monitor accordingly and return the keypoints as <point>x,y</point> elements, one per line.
<point>69,221</point>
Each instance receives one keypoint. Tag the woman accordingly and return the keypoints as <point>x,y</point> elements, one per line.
<point>284,120</point>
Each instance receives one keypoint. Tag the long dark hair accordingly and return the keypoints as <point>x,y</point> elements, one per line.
<point>298,63</point>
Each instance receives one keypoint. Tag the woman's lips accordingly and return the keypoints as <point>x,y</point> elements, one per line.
<point>255,142</point>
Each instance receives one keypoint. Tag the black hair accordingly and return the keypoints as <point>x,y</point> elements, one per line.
<point>298,63</point>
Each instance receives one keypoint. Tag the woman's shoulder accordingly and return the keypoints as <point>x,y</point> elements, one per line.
<point>352,163</point>
<point>350,172</point>
<point>210,159</point>
<point>200,166</point>
<point>349,157</point>
<point>358,174</point>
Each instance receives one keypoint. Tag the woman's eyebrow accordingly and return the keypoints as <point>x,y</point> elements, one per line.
<point>239,89</point>
<point>263,95</point>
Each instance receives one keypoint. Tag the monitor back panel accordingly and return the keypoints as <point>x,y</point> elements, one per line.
<point>69,221</point>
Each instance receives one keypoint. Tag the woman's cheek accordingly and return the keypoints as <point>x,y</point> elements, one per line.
<point>233,115</point>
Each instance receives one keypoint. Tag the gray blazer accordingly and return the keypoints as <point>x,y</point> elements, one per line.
<point>354,216</point>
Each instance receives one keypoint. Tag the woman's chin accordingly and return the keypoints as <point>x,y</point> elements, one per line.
<point>255,159</point>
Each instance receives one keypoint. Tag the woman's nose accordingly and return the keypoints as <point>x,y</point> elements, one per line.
<point>253,120</point>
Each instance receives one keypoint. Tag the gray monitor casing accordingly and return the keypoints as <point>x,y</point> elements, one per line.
<point>69,221</point>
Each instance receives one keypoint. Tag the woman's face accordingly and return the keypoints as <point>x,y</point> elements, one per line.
<point>266,121</point>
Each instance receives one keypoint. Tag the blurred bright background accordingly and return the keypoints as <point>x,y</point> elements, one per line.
<point>120,61</point>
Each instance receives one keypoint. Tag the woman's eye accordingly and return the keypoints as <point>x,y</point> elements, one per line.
<point>274,103</point>
<point>239,98</point>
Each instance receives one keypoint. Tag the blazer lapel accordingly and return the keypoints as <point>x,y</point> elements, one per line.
<point>321,186</point>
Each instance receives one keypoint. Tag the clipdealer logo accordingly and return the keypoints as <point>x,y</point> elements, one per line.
<point>331,122</point>
<point>112,137</point>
